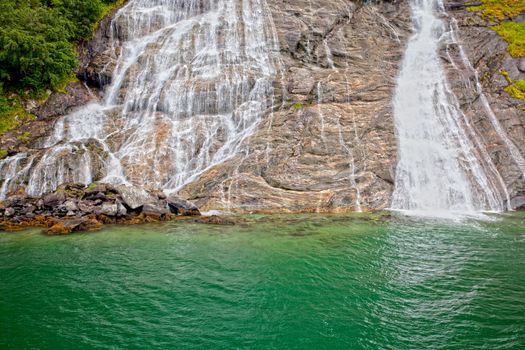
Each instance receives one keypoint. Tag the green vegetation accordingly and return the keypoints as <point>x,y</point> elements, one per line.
<point>38,38</point>
<point>12,114</point>
<point>37,48</point>
<point>498,10</point>
<point>514,34</point>
<point>516,89</point>
<point>24,137</point>
<point>501,13</point>
<point>299,105</point>
<point>92,186</point>
<point>3,153</point>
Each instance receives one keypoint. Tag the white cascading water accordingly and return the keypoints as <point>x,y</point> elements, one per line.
<point>192,81</point>
<point>514,152</point>
<point>438,169</point>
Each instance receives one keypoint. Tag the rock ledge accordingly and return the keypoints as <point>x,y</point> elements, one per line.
<point>75,207</point>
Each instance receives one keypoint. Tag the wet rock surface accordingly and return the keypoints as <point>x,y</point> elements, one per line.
<point>76,207</point>
<point>329,144</point>
<point>328,141</point>
<point>97,57</point>
<point>214,220</point>
<point>180,206</point>
<point>487,53</point>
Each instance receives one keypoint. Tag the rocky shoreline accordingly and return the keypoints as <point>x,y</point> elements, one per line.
<point>75,207</point>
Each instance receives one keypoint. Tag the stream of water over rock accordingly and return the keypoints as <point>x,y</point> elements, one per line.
<point>192,80</point>
<point>440,168</point>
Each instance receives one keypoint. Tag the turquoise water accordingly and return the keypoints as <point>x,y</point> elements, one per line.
<point>275,282</point>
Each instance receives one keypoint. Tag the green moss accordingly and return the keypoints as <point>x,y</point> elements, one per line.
<point>516,89</point>
<point>99,151</point>
<point>24,137</point>
<point>108,7</point>
<point>12,114</point>
<point>514,35</point>
<point>520,84</point>
<point>498,10</point>
<point>63,85</point>
<point>507,76</point>
<point>3,153</point>
<point>297,105</point>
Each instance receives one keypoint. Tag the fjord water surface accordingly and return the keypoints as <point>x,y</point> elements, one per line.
<point>289,282</point>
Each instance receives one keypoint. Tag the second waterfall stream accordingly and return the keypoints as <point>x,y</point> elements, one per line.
<point>440,168</point>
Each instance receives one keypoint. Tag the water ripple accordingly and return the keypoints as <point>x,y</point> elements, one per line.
<point>345,283</point>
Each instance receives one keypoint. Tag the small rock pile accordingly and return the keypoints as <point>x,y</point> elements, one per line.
<point>76,207</point>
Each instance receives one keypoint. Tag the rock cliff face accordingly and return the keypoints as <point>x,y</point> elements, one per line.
<point>328,142</point>
<point>487,57</point>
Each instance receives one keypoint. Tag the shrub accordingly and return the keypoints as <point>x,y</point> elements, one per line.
<point>37,40</point>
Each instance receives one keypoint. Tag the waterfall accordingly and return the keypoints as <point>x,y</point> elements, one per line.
<point>511,147</point>
<point>192,80</point>
<point>439,168</point>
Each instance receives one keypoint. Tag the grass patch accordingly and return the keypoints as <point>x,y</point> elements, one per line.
<point>498,10</point>
<point>298,105</point>
<point>514,35</point>
<point>107,8</point>
<point>3,153</point>
<point>12,114</point>
<point>24,137</point>
<point>516,89</point>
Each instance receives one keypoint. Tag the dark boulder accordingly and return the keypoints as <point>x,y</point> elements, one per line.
<point>108,209</point>
<point>95,196</point>
<point>180,206</point>
<point>64,227</point>
<point>134,197</point>
<point>16,200</point>
<point>518,203</point>
<point>54,199</point>
<point>157,208</point>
